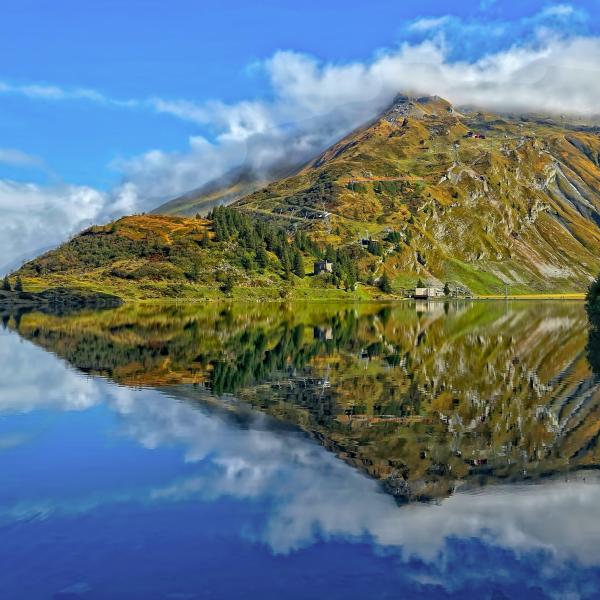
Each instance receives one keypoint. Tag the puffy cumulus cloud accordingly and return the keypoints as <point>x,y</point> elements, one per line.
<point>38,217</point>
<point>315,103</point>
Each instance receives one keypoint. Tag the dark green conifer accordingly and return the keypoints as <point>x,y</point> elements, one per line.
<point>298,264</point>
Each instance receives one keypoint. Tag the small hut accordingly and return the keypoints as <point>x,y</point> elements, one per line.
<point>323,266</point>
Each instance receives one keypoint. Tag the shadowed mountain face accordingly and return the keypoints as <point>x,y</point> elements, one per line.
<point>471,197</point>
<point>423,397</point>
<point>222,191</point>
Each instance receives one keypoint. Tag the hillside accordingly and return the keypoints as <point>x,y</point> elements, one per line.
<point>485,203</point>
<point>470,197</point>
<point>227,255</point>
<point>226,189</point>
<point>221,191</point>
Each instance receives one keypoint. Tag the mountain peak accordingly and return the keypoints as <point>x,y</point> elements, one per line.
<point>405,106</point>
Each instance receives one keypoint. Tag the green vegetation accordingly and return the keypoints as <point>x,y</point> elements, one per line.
<point>438,205</point>
<point>229,253</point>
<point>593,300</point>
<point>385,285</point>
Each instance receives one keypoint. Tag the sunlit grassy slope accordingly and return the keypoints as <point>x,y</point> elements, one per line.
<point>490,204</point>
<point>157,256</point>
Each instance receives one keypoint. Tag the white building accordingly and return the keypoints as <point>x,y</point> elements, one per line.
<point>424,293</point>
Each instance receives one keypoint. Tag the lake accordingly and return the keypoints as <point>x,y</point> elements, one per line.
<point>416,450</point>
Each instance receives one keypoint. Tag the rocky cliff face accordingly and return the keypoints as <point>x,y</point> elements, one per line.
<point>472,197</point>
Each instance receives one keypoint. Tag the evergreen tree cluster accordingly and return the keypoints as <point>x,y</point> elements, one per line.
<point>593,301</point>
<point>345,272</point>
<point>255,238</point>
<point>7,287</point>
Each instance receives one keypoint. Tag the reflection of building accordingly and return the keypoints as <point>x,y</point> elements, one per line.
<point>424,306</point>
<point>423,293</point>
<point>323,266</point>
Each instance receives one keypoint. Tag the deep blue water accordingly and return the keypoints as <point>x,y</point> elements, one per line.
<point>113,492</point>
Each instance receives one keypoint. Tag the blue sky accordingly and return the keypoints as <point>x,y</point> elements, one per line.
<point>130,102</point>
<point>181,49</point>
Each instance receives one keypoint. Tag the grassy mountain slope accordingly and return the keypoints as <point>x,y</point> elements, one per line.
<point>484,202</point>
<point>158,256</point>
<point>513,202</point>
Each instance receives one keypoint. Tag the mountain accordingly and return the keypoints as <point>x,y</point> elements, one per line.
<point>224,190</point>
<point>472,197</point>
<point>485,203</point>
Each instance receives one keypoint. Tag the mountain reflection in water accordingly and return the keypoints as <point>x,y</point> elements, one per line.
<point>198,461</point>
<point>424,397</point>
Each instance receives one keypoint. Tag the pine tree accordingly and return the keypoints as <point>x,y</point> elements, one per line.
<point>298,264</point>
<point>446,289</point>
<point>6,284</point>
<point>262,258</point>
<point>227,285</point>
<point>420,284</point>
<point>330,253</point>
<point>285,261</point>
<point>385,285</point>
<point>18,285</point>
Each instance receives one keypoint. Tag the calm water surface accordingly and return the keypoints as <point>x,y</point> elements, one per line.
<point>413,451</point>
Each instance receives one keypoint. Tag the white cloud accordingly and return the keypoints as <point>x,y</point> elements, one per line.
<point>34,216</point>
<point>11,156</point>
<point>428,23</point>
<point>20,385</point>
<point>558,10</point>
<point>54,92</point>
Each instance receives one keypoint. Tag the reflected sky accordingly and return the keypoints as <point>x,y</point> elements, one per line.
<point>115,491</point>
